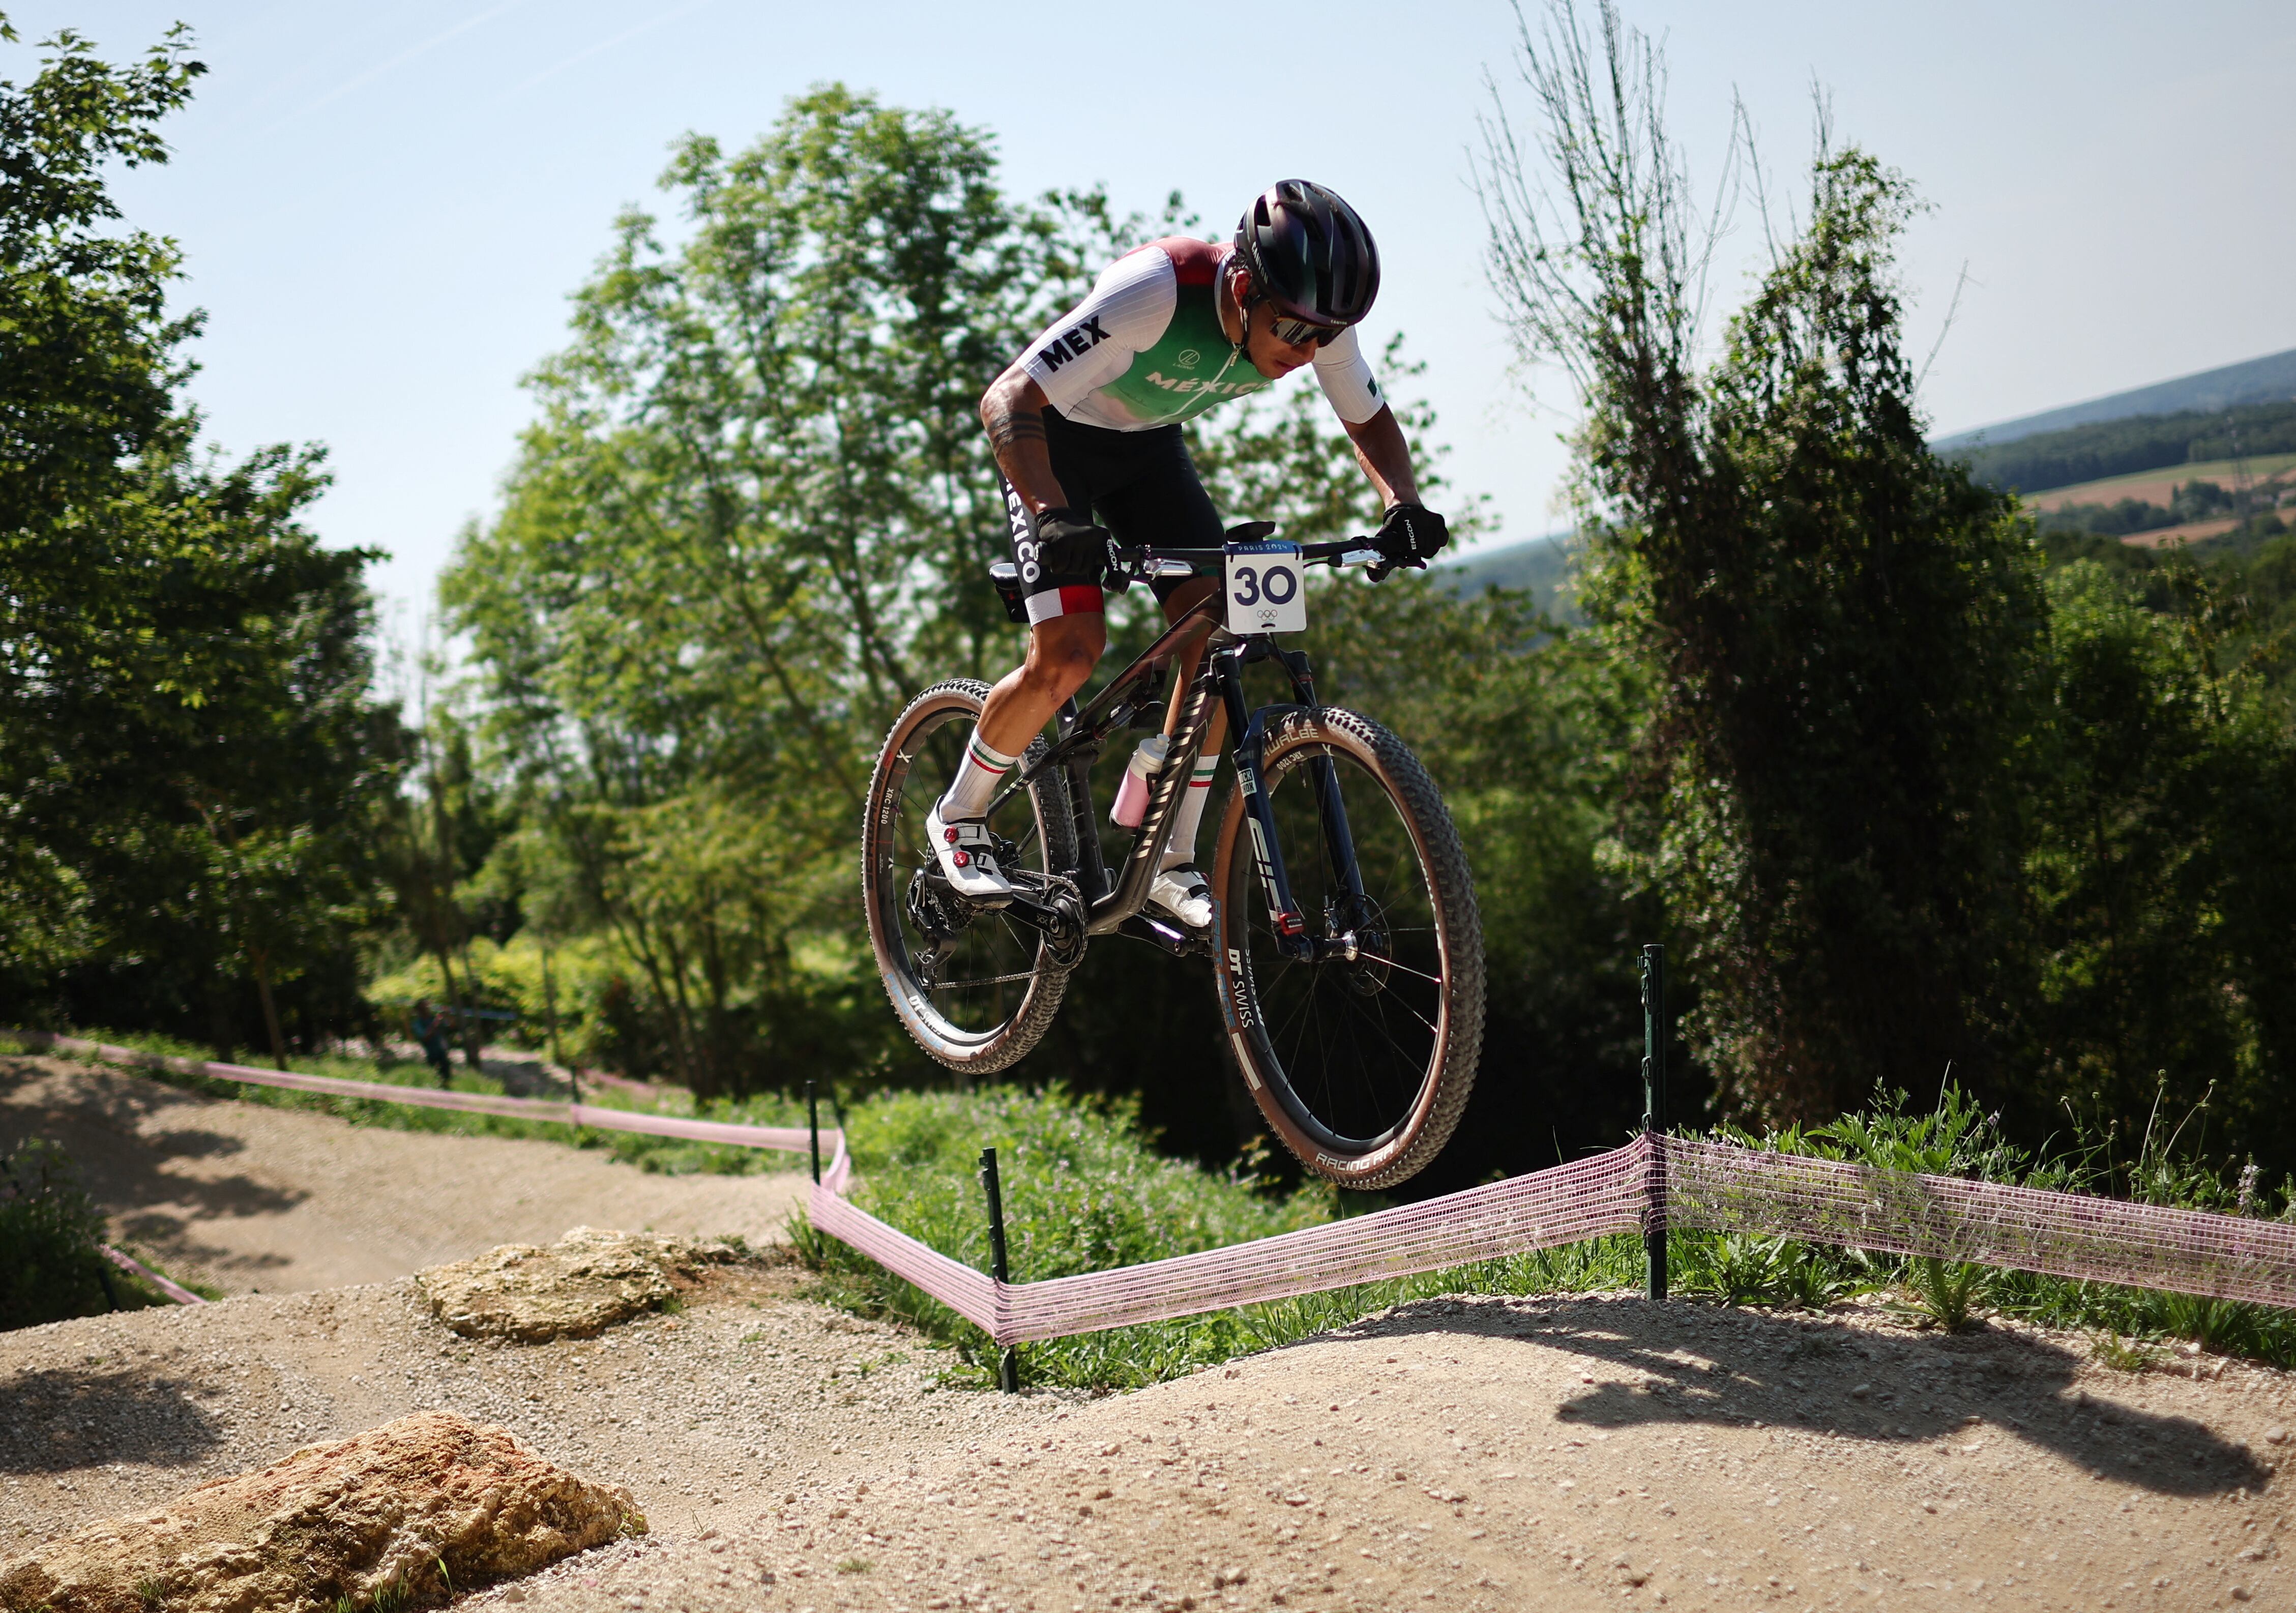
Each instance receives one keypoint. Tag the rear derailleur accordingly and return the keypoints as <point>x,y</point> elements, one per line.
<point>1048,903</point>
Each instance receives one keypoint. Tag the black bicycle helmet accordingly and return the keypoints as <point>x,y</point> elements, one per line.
<point>1309,253</point>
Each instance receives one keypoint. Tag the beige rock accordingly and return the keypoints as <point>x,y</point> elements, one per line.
<point>584,1283</point>
<point>417,1507</point>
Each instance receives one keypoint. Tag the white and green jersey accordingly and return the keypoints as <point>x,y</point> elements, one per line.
<point>1145,348</point>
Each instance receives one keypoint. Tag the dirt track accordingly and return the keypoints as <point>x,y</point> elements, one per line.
<point>257,1200</point>
<point>1560,1454</point>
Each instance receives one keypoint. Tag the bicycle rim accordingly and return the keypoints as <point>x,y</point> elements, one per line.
<point>1361,1065</point>
<point>974,988</point>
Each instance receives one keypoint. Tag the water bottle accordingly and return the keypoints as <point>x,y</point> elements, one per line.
<point>1132,795</point>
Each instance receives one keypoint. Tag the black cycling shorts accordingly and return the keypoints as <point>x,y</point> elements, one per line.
<point>1140,484</point>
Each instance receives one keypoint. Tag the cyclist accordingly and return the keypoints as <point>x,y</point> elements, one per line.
<point>1087,421</point>
<point>430,1030</point>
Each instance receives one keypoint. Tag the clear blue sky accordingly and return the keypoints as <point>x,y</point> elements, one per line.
<point>384,205</point>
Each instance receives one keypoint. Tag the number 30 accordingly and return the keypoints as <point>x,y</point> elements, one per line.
<point>1280,584</point>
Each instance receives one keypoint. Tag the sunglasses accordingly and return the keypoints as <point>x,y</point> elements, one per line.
<point>1301,332</point>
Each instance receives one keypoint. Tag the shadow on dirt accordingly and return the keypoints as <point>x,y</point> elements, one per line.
<point>1707,1364</point>
<point>104,1120</point>
<point>62,1419</point>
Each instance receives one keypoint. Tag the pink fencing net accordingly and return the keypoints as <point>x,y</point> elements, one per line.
<point>789,1139</point>
<point>1717,1187</point>
<point>1678,1183</point>
<point>1569,1204</point>
<point>135,1267</point>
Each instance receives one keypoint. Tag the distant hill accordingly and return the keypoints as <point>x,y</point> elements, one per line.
<point>2124,447</point>
<point>1538,566</point>
<point>2268,380</point>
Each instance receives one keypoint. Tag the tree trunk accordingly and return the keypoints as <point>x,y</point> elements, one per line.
<point>550,1011</point>
<point>262,961</point>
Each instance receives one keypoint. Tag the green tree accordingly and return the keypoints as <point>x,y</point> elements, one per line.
<point>751,521</point>
<point>84,356</point>
<point>2159,876</point>
<point>190,762</point>
<point>1837,627</point>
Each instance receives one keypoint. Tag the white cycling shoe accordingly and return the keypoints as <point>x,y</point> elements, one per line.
<point>1182,892</point>
<point>968,859</point>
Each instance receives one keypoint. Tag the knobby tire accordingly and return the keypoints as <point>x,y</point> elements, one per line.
<point>909,776</point>
<point>1362,1069</point>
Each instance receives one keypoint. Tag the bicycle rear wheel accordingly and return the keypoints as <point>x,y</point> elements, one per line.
<point>1361,1064</point>
<point>973,986</point>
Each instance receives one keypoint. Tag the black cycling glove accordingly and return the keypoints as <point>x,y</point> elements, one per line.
<point>1069,544</point>
<point>1411,535</point>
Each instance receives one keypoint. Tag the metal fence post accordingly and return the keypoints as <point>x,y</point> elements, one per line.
<point>1654,1110</point>
<point>1008,1361</point>
<point>813,1121</point>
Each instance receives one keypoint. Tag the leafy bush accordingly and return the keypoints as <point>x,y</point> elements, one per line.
<point>1740,1270</point>
<point>51,1268</point>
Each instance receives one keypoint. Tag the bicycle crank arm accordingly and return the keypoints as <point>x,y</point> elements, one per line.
<point>1053,910</point>
<point>1179,942</point>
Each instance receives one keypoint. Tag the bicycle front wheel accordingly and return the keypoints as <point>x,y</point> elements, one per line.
<point>974,987</point>
<point>1361,1056</point>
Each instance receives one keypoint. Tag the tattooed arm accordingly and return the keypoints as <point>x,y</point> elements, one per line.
<point>1013,411</point>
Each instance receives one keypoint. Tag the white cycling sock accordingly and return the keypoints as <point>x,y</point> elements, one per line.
<point>1182,845</point>
<point>983,768</point>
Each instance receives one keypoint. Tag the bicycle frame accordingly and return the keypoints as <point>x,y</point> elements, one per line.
<point>1083,733</point>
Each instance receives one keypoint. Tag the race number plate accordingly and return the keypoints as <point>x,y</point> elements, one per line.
<point>1264,594</point>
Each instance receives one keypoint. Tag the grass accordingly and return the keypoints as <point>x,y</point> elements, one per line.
<point>52,1234</point>
<point>1084,1192</point>
<point>1957,1139</point>
<point>671,1156</point>
<point>2223,472</point>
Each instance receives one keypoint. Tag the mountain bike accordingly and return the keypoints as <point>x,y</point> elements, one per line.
<point>1345,946</point>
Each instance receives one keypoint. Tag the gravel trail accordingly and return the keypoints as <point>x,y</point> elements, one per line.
<point>743,1390</point>
<point>1555,1454</point>
<point>1570,1454</point>
<point>251,1199</point>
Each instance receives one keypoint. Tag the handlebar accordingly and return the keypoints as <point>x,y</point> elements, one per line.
<point>1339,551</point>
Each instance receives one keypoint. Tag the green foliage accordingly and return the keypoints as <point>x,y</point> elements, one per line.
<point>2192,501</point>
<point>1083,1191</point>
<point>1945,1293</point>
<point>1740,1269</point>
<point>190,763</point>
<point>1836,627</point>
<point>2124,1354</point>
<point>2116,520</point>
<point>2157,868</point>
<point>51,1268</point>
<point>1955,1138</point>
<point>2122,447</point>
<point>751,521</point>
<point>1916,799</point>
